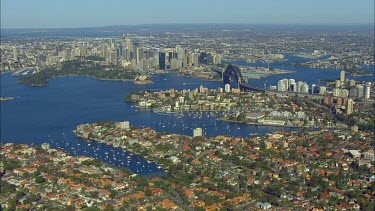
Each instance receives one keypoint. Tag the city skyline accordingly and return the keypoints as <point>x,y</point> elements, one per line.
<point>73,14</point>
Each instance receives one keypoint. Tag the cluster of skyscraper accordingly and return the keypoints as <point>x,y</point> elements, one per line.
<point>285,84</point>
<point>343,87</point>
<point>139,57</point>
<point>348,88</point>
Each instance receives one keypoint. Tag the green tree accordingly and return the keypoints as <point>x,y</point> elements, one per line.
<point>148,192</point>
<point>39,179</point>
<point>196,208</point>
<point>109,207</point>
<point>91,209</point>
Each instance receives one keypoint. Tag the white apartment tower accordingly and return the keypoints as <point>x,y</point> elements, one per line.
<point>227,87</point>
<point>342,76</point>
<point>197,132</point>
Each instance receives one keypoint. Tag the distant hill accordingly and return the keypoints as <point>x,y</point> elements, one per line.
<point>147,29</point>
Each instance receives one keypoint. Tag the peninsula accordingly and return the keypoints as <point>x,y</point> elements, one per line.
<point>6,98</point>
<point>271,109</point>
<point>79,68</point>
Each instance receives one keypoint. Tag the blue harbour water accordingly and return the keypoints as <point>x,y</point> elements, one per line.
<point>50,113</point>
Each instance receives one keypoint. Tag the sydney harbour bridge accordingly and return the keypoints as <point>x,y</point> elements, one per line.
<point>232,72</point>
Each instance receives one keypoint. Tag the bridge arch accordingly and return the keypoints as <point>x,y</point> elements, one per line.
<point>232,72</point>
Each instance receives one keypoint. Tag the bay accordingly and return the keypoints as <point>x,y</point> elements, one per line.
<point>50,113</point>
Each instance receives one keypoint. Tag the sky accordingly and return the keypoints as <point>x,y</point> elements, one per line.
<point>92,13</point>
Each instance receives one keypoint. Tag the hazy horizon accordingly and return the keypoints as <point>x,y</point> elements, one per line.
<point>366,25</point>
<point>40,14</point>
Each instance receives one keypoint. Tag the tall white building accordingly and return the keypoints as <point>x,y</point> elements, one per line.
<point>322,90</point>
<point>217,59</point>
<point>291,81</point>
<point>197,132</point>
<point>351,82</point>
<point>336,92</point>
<point>15,53</point>
<point>359,90</point>
<point>180,56</point>
<point>367,91</point>
<point>337,84</point>
<point>349,106</point>
<point>174,64</point>
<point>286,84</point>
<point>140,52</point>
<point>195,60</point>
<point>227,87</point>
<point>342,76</point>
<point>305,88</point>
<point>299,86</point>
<point>124,125</point>
<point>201,88</point>
<point>281,86</point>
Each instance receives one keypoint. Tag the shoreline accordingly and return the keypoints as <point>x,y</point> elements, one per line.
<point>130,150</point>
<point>101,79</point>
<point>3,99</point>
<point>260,124</point>
<point>144,82</point>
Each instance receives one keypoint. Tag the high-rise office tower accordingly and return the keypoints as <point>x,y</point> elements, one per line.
<point>82,51</point>
<point>170,56</point>
<point>209,58</point>
<point>105,51</point>
<point>77,52</point>
<point>113,44</point>
<point>180,56</point>
<point>72,54</point>
<point>145,64</point>
<point>129,49</point>
<point>113,57</point>
<point>203,58</point>
<point>174,64</point>
<point>195,61</point>
<point>15,53</point>
<point>139,54</point>
<point>342,76</point>
<point>190,58</point>
<point>123,37</point>
<point>129,44</point>
<point>162,60</point>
